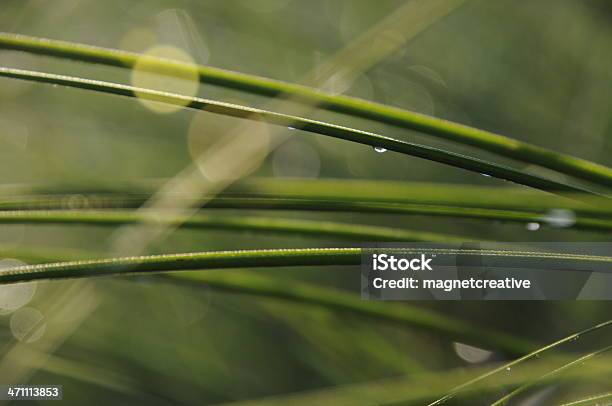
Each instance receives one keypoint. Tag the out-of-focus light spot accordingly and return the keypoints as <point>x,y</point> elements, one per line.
<point>533,226</point>
<point>296,159</point>
<point>471,354</point>
<point>237,154</point>
<point>138,39</point>
<point>14,296</point>
<point>560,218</point>
<point>28,324</point>
<point>74,202</point>
<point>184,79</point>
<point>338,83</point>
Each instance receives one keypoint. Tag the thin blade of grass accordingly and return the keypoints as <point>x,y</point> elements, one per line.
<point>604,399</point>
<point>486,140</point>
<point>281,257</point>
<point>579,361</point>
<point>520,360</point>
<point>351,231</point>
<point>317,127</point>
<point>26,207</point>
<point>262,285</point>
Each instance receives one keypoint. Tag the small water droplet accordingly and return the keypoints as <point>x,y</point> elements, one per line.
<point>532,226</point>
<point>508,369</point>
<point>486,175</point>
<point>291,128</point>
<point>380,150</point>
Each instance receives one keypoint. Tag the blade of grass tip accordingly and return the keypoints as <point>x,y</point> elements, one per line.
<point>317,127</point>
<point>579,361</point>
<point>241,222</point>
<point>459,133</point>
<point>604,399</point>
<point>261,285</point>
<point>510,365</point>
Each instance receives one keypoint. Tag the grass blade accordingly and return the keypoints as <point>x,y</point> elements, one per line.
<point>261,285</point>
<point>241,223</point>
<point>605,399</point>
<point>27,208</point>
<point>520,360</point>
<point>489,141</point>
<point>317,127</point>
<point>579,361</point>
<point>257,258</point>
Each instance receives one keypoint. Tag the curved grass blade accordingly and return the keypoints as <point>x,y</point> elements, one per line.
<point>254,258</point>
<point>486,140</point>
<point>317,127</point>
<point>604,399</point>
<point>579,361</point>
<point>261,285</point>
<point>241,223</point>
<point>520,360</point>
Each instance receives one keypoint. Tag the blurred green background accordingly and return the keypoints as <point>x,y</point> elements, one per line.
<point>538,71</point>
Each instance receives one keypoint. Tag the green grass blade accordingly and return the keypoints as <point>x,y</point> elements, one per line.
<point>604,399</point>
<point>489,141</point>
<point>577,362</point>
<point>33,206</point>
<point>256,258</point>
<point>262,285</point>
<point>351,231</point>
<point>312,126</point>
<point>520,360</point>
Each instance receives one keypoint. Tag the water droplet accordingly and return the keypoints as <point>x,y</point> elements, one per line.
<point>486,175</point>
<point>291,128</point>
<point>508,369</point>
<point>560,218</point>
<point>532,226</point>
<point>380,150</point>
